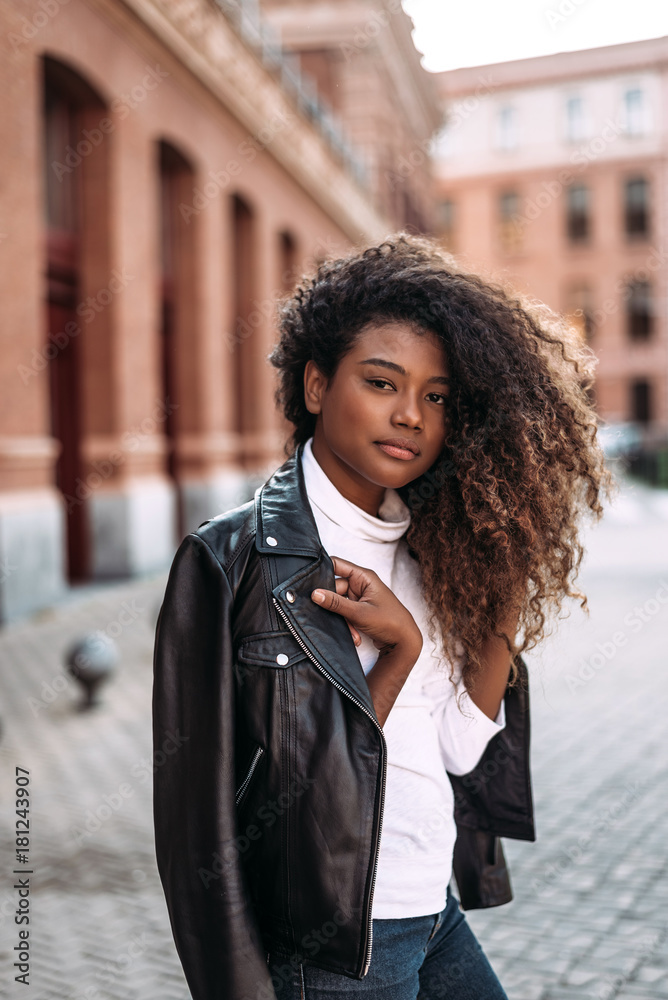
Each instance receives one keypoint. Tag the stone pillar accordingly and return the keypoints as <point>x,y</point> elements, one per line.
<point>263,437</point>
<point>131,505</point>
<point>32,521</point>
<point>210,477</point>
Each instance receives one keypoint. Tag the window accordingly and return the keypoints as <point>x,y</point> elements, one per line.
<point>177,301</point>
<point>576,128</point>
<point>640,310</point>
<point>641,401</point>
<point>578,221</point>
<point>443,144</point>
<point>446,220</point>
<point>287,255</point>
<point>635,111</point>
<point>636,207</point>
<point>510,223</point>
<point>579,308</point>
<point>507,128</point>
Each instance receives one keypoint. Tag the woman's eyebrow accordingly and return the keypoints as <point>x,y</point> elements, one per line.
<point>439,379</point>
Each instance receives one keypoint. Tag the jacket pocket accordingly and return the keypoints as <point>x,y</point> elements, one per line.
<point>270,649</point>
<point>254,761</point>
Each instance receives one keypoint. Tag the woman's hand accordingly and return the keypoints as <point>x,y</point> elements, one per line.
<point>370,607</point>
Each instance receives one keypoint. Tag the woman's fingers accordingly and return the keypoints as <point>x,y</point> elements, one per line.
<point>355,612</point>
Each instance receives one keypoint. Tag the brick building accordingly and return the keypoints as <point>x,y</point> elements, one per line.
<point>167,171</point>
<point>365,66</point>
<point>553,173</point>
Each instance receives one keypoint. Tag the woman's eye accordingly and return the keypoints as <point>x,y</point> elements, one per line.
<point>381,382</point>
<point>437,397</point>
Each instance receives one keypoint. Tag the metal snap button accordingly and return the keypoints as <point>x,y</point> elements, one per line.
<point>282,659</point>
<point>290,596</point>
<point>271,541</point>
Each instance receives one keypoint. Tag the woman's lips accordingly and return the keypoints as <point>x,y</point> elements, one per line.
<point>395,452</point>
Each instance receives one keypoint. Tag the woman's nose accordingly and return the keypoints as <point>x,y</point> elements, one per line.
<point>408,412</point>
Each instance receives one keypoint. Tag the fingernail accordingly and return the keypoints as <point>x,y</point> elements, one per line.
<point>318,596</point>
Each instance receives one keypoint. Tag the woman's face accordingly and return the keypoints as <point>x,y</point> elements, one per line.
<point>381,417</point>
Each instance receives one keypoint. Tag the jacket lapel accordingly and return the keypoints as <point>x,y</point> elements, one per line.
<point>286,527</point>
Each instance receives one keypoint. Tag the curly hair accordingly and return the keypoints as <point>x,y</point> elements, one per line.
<point>498,511</point>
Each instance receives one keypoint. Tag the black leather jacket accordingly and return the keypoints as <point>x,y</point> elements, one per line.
<point>270,764</point>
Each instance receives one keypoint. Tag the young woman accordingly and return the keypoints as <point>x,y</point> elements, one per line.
<point>338,661</point>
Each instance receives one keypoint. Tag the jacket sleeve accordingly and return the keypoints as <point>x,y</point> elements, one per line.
<point>214,926</point>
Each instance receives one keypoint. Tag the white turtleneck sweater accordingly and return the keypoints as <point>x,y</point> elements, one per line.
<point>426,730</point>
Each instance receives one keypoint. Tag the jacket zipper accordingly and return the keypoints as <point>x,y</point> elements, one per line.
<point>382,796</point>
<point>242,788</point>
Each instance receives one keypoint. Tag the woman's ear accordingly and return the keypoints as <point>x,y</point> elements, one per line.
<point>315,385</point>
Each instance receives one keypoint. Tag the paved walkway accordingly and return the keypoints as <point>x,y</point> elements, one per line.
<point>590,914</point>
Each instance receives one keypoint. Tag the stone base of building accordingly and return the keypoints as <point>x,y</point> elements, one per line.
<point>132,530</point>
<point>204,499</point>
<point>32,551</point>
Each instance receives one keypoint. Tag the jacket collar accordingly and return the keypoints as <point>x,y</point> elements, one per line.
<point>284,514</point>
<point>286,526</point>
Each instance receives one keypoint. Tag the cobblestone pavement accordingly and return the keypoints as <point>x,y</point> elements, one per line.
<point>590,914</point>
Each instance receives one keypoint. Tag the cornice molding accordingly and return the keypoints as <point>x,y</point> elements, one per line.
<point>202,39</point>
<point>360,24</point>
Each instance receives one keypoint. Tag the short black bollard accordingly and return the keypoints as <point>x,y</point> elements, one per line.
<point>92,661</point>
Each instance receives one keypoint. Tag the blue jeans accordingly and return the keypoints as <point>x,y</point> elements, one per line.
<point>436,957</point>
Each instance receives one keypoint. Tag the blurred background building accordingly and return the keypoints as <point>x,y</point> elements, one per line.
<point>553,174</point>
<point>170,168</point>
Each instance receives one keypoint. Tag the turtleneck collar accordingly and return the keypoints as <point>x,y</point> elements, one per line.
<point>394,516</point>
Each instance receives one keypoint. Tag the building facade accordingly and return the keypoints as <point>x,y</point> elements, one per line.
<point>361,56</point>
<point>552,175</point>
<point>167,173</point>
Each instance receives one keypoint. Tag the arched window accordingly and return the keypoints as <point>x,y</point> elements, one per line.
<point>245,319</point>
<point>75,152</point>
<point>287,256</point>
<point>177,298</point>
